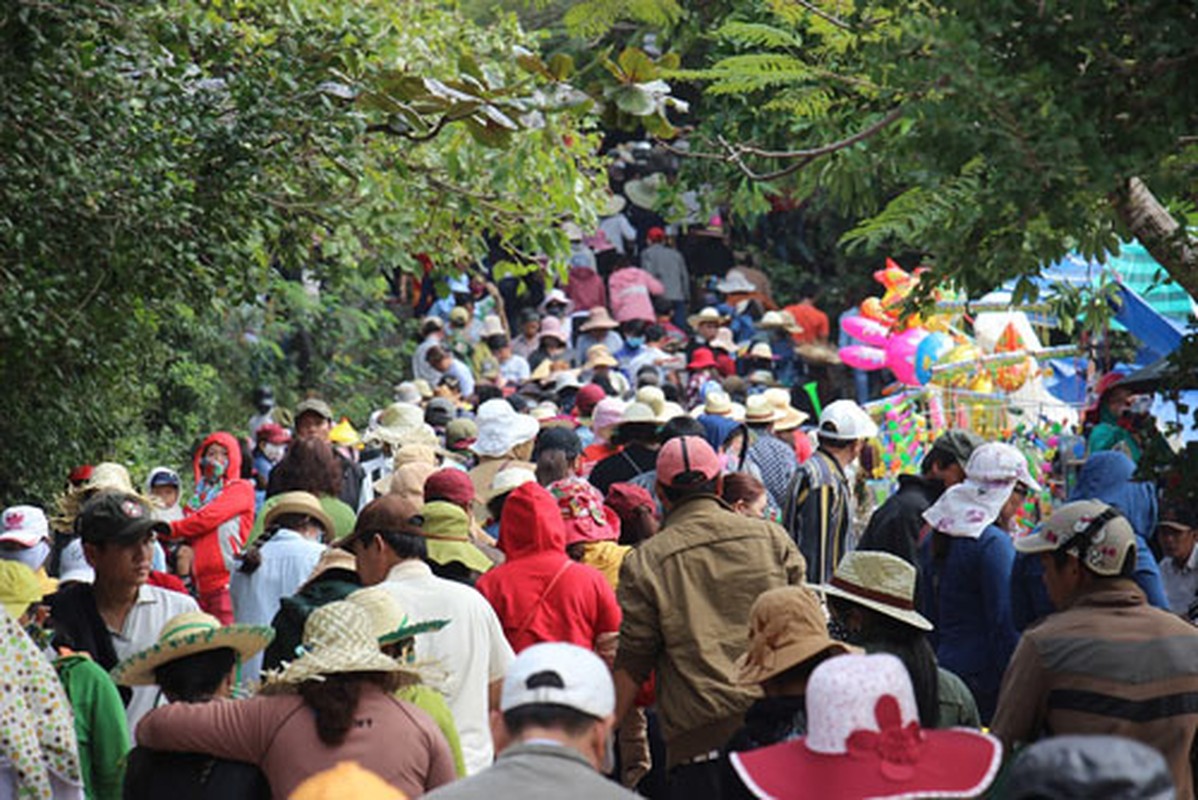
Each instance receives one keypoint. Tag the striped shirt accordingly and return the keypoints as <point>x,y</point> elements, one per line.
<point>1110,664</point>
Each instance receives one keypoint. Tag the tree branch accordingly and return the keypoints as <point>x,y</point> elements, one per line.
<point>734,154</point>
<point>824,15</point>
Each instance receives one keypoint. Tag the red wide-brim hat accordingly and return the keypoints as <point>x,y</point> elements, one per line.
<point>956,762</point>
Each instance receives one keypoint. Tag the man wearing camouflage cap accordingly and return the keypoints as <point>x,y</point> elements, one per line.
<point>1106,662</point>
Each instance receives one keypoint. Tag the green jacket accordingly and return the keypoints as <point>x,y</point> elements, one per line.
<point>431,702</point>
<point>100,725</point>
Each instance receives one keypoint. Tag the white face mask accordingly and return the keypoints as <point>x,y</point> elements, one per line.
<point>273,452</point>
<point>32,557</point>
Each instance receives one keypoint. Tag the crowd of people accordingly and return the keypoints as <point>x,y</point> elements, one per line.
<point>601,544</point>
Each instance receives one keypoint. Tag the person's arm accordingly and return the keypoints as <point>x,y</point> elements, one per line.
<point>240,730</point>
<point>500,656</point>
<point>109,731</point>
<point>1018,717</point>
<point>998,559</point>
<point>237,497</point>
<point>792,561</point>
<point>607,622</point>
<point>640,632</point>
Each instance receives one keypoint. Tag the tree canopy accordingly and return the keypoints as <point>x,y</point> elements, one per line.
<point>171,169</point>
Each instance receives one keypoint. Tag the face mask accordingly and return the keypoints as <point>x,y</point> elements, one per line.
<point>32,557</point>
<point>211,469</point>
<point>724,460</point>
<point>274,452</point>
<point>635,341</point>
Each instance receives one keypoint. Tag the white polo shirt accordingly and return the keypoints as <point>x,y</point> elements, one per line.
<point>1181,583</point>
<point>467,654</point>
<point>144,622</point>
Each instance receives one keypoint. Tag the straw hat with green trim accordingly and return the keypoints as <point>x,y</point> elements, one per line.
<point>338,638</point>
<point>388,619</point>
<point>299,503</point>
<point>187,634</point>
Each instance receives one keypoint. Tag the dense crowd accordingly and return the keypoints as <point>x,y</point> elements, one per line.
<point>607,541</point>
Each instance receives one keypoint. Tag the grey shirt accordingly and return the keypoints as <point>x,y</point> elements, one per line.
<point>540,771</point>
<point>668,266</point>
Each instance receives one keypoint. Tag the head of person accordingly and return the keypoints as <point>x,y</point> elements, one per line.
<point>557,454</point>
<point>558,692</point>
<point>503,484</point>
<point>384,535</point>
<point>1079,767</point>
<point>871,599</point>
<point>194,659</point>
<point>438,358</point>
<point>341,659</point>
<point>164,485</point>
<point>313,419</point>
<point>25,536</point>
<point>844,428</point>
<point>687,467</point>
<point>214,461</point>
<point>809,290</point>
<point>300,512</point>
<point>500,345</point>
<point>746,494</point>
<point>460,314</point>
<point>950,453</point>
<point>449,388</point>
<point>530,323</point>
<point>1082,546</point>
<point>585,515</point>
<point>637,511</point>
<point>788,639</point>
<point>20,589</point>
<point>997,467</point>
<point>656,235</point>
<point>432,328</point>
<point>1176,532</point>
<point>118,532</point>
<point>309,466</point>
<point>634,333</point>
<point>450,485</point>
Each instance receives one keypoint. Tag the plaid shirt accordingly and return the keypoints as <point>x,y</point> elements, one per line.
<point>776,461</point>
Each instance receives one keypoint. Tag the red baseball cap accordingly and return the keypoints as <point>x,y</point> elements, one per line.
<point>686,461</point>
<point>656,234</point>
<point>273,433</point>
<point>450,484</point>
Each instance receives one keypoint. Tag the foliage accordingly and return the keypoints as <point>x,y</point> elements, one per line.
<point>1009,130</point>
<point>172,170</point>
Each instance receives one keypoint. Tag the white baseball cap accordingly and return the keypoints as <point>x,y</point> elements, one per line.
<point>560,674</point>
<point>25,525</point>
<point>999,462</point>
<point>847,421</point>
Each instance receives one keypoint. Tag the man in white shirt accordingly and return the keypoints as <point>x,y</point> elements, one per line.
<point>120,614</point>
<point>1179,567</point>
<point>278,563</point>
<point>432,333</point>
<point>471,652</point>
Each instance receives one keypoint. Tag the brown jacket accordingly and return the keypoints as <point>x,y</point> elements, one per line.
<point>1109,664</point>
<point>685,595</point>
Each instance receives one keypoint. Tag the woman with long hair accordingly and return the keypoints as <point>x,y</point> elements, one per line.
<point>311,465</point>
<point>334,703</point>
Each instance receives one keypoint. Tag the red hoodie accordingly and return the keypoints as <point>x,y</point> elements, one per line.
<point>580,605</point>
<point>202,528</point>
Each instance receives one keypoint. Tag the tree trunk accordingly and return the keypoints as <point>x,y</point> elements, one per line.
<point>1163,236</point>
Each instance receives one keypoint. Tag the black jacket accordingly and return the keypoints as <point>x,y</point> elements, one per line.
<point>895,525</point>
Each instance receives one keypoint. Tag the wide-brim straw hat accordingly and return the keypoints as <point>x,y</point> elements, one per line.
<point>879,581</point>
<point>735,283</point>
<point>643,192</point>
<point>400,424</point>
<point>332,559</point>
<point>390,622</point>
<point>723,340</point>
<point>338,639</point>
<point>637,413</point>
<point>599,356</point>
<point>786,627</point>
<point>599,320</point>
<point>760,411</point>
<point>299,503</point>
<point>791,416</point>
<point>707,314</point>
<point>185,635</point>
<point>613,205</point>
<point>778,319</point>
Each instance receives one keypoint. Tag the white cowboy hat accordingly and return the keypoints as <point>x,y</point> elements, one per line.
<point>500,428</point>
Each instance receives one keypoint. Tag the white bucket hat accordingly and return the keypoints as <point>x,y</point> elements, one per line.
<point>500,428</point>
<point>993,470</point>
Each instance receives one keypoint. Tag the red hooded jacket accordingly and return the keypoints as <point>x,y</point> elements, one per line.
<point>539,594</point>
<point>202,528</point>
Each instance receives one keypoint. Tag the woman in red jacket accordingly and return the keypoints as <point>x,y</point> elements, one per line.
<point>216,521</point>
<point>539,594</point>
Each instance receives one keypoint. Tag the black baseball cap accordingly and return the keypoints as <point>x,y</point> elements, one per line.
<point>957,443</point>
<point>117,517</point>
<point>557,438</point>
